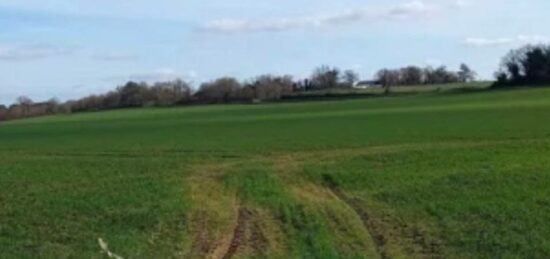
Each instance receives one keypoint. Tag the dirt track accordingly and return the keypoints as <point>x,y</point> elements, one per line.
<point>239,234</point>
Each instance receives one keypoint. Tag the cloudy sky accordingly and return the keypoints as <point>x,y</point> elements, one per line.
<point>70,48</point>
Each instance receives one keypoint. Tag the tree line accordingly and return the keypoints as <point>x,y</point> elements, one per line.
<point>230,90</point>
<point>526,66</point>
<point>25,107</point>
<point>414,75</point>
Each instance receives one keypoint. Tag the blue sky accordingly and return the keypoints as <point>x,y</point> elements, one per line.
<point>71,48</point>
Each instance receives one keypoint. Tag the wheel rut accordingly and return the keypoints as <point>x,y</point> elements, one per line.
<point>378,238</point>
<point>239,233</point>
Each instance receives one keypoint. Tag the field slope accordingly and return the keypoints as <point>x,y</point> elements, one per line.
<point>425,176</point>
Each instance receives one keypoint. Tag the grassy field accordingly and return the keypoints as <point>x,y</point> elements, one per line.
<point>422,176</point>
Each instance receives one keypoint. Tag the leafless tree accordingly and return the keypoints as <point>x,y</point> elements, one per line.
<point>171,93</point>
<point>325,77</point>
<point>411,75</point>
<point>4,113</point>
<point>269,87</point>
<point>52,106</point>
<point>224,89</point>
<point>465,74</point>
<point>133,94</point>
<point>388,78</point>
<point>25,103</point>
<point>349,78</point>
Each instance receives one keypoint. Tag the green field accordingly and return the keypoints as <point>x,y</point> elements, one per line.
<point>464,175</point>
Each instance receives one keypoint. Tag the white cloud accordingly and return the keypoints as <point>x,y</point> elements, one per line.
<point>409,9</point>
<point>32,52</point>
<point>406,10</point>
<point>506,41</point>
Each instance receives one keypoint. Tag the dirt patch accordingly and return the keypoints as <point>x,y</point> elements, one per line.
<point>257,239</point>
<point>239,234</point>
<point>202,244</point>
<point>248,234</point>
<point>430,248</point>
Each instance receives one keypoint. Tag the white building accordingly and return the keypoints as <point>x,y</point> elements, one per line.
<point>367,84</point>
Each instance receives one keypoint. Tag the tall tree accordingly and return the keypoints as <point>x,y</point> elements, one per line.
<point>349,78</point>
<point>133,94</point>
<point>325,77</point>
<point>388,78</point>
<point>52,106</point>
<point>270,87</point>
<point>171,92</point>
<point>3,112</point>
<point>528,65</point>
<point>465,74</point>
<point>225,89</point>
<point>25,103</point>
<point>411,75</point>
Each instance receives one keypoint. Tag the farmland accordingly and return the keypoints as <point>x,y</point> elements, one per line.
<point>462,175</point>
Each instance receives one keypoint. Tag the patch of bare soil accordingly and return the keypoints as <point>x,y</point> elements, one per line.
<point>257,239</point>
<point>430,248</point>
<point>248,233</point>
<point>239,234</point>
<point>202,244</point>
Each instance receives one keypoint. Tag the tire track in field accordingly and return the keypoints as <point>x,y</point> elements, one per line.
<point>239,234</point>
<point>378,238</point>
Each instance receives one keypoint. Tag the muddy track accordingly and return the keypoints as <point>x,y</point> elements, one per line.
<point>201,244</point>
<point>257,239</point>
<point>430,248</point>
<point>378,238</point>
<point>239,234</point>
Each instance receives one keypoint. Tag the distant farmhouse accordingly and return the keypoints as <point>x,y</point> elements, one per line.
<point>367,84</point>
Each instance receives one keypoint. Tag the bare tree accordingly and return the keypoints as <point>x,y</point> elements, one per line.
<point>411,75</point>
<point>111,100</point>
<point>25,103</point>
<point>4,113</point>
<point>349,78</point>
<point>325,77</point>
<point>133,94</point>
<point>52,106</point>
<point>269,87</point>
<point>24,100</point>
<point>225,89</point>
<point>465,74</point>
<point>388,78</point>
<point>439,75</point>
<point>171,92</point>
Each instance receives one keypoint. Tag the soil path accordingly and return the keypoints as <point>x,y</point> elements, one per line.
<point>239,234</point>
